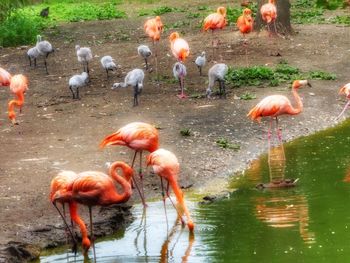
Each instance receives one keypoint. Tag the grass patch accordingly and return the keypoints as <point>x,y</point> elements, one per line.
<point>341,20</point>
<point>262,75</point>
<point>20,29</point>
<point>185,132</point>
<point>224,143</point>
<point>247,96</point>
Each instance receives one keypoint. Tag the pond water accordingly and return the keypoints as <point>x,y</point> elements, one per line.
<point>307,223</point>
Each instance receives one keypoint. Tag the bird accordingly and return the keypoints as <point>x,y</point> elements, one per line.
<point>268,13</point>
<point>153,28</point>
<point>33,54</point>
<point>200,62</point>
<point>245,25</point>
<point>5,78</point>
<point>44,48</point>
<point>76,82</point>
<point>180,72</point>
<point>276,105</point>
<point>215,21</point>
<point>84,55</point>
<point>166,165</point>
<point>18,86</point>
<point>345,90</point>
<point>93,188</point>
<point>108,64</point>
<point>45,12</point>
<point>134,78</point>
<point>145,52</point>
<point>179,47</point>
<point>61,187</point>
<point>138,136</point>
<point>217,73</point>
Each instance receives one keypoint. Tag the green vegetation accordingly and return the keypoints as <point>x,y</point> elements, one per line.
<point>224,143</point>
<point>261,75</point>
<point>185,132</point>
<point>247,96</point>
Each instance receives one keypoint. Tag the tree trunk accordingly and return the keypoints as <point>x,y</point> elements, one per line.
<point>282,22</point>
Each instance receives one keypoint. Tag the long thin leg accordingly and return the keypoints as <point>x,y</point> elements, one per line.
<point>146,62</point>
<point>163,196</point>
<point>156,57</point>
<point>279,132</point>
<point>30,61</point>
<point>46,66</point>
<point>200,71</point>
<point>178,213</point>
<point>71,89</point>
<point>87,67</point>
<point>141,176</point>
<point>344,109</point>
<point>134,181</point>
<point>107,73</point>
<point>34,62</point>
<point>78,97</point>
<point>92,234</point>
<point>65,222</point>
<point>212,43</point>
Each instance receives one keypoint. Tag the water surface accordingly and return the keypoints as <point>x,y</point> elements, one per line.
<point>308,223</point>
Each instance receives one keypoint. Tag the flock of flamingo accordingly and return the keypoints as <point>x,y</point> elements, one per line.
<point>93,188</point>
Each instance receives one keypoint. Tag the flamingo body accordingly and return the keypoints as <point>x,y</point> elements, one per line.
<point>215,20</point>
<point>245,22</point>
<point>345,90</point>
<point>136,135</point>
<point>153,27</point>
<point>269,12</point>
<point>179,47</point>
<point>5,78</point>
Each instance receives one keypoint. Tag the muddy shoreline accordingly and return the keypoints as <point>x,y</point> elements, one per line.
<point>57,133</point>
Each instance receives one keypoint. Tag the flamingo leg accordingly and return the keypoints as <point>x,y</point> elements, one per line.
<point>141,176</point>
<point>156,58</point>
<point>65,222</point>
<point>92,234</point>
<point>182,95</point>
<point>279,131</point>
<point>245,44</point>
<point>135,184</point>
<point>87,67</point>
<point>344,109</point>
<point>146,62</point>
<point>212,43</point>
<point>178,213</point>
<point>163,196</point>
<point>46,66</point>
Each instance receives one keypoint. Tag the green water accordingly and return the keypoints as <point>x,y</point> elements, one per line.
<point>308,223</point>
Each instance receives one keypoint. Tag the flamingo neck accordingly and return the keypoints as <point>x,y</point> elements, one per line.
<point>119,198</point>
<point>15,103</point>
<point>272,2</point>
<point>73,210</point>
<point>180,199</point>
<point>299,106</point>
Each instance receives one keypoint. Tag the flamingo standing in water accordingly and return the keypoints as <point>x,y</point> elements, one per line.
<point>268,13</point>
<point>19,85</point>
<point>61,192</point>
<point>180,50</point>
<point>153,28</point>
<point>166,165</point>
<point>345,90</point>
<point>215,21</point>
<point>276,105</point>
<point>138,136</point>
<point>245,25</point>
<point>5,78</point>
<point>92,188</point>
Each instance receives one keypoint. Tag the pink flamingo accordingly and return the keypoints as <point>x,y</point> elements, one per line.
<point>215,21</point>
<point>245,25</point>
<point>153,28</point>
<point>19,85</point>
<point>180,50</point>
<point>138,136</point>
<point>276,105</point>
<point>166,165</point>
<point>269,14</point>
<point>345,90</point>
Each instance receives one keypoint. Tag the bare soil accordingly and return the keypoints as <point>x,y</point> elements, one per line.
<point>56,132</point>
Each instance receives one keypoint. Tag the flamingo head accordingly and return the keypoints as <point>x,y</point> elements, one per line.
<point>300,83</point>
<point>38,38</point>
<point>173,36</point>
<point>203,54</point>
<point>77,47</point>
<point>272,2</point>
<point>86,245</point>
<point>221,10</point>
<point>247,12</point>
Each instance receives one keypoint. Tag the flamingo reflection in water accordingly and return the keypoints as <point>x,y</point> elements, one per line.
<point>281,211</point>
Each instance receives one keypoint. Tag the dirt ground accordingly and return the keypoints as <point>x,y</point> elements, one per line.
<point>58,133</point>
